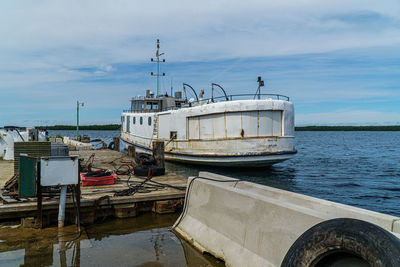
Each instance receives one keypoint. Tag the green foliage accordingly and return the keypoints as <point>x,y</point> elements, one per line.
<point>348,128</point>
<point>82,127</point>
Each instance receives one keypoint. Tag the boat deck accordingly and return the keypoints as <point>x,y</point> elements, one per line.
<point>161,194</point>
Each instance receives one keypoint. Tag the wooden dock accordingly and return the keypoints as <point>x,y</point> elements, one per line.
<point>160,194</point>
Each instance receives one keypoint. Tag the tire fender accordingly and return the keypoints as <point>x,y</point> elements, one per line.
<point>366,241</point>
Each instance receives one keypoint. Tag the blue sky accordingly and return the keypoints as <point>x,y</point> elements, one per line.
<point>337,60</point>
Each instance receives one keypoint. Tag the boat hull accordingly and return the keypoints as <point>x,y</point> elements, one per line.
<point>265,159</point>
<point>242,133</point>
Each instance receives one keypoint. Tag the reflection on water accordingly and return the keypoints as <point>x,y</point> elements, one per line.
<point>275,176</point>
<point>142,241</point>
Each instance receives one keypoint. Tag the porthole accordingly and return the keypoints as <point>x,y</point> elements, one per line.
<point>149,121</point>
<point>134,120</point>
<point>141,120</point>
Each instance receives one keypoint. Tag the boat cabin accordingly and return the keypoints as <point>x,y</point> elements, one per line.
<point>150,103</point>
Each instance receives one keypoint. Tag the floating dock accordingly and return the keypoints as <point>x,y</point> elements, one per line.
<point>129,196</point>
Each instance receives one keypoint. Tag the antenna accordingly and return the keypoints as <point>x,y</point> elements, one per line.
<point>172,78</point>
<point>158,61</point>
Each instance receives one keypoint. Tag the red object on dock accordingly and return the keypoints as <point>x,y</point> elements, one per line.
<point>102,180</point>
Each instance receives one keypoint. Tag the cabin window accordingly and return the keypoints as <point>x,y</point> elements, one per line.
<point>141,120</point>
<point>128,124</point>
<point>134,120</point>
<point>149,121</point>
<point>151,106</point>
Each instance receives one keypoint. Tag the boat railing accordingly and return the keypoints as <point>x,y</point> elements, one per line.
<point>214,100</point>
<point>245,96</point>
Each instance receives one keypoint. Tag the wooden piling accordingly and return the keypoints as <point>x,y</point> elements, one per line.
<point>116,143</point>
<point>158,153</point>
<point>131,151</point>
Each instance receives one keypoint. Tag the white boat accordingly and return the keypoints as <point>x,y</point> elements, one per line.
<point>228,130</point>
<point>11,134</point>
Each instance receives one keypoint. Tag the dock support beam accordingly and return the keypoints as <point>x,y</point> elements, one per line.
<point>158,153</point>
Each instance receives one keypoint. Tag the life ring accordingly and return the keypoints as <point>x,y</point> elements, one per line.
<point>144,159</point>
<point>338,242</point>
<point>143,170</point>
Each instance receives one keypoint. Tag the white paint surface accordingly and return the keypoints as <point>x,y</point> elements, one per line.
<point>248,224</point>
<point>59,170</point>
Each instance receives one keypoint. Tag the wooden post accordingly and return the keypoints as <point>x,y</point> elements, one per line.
<point>116,143</point>
<point>158,153</point>
<point>131,151</point>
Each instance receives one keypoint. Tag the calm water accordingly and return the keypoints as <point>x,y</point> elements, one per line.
<point>145,241</point>
<point>356,168</point>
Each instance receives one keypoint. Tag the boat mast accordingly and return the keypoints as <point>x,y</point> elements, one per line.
<point>158,55</point>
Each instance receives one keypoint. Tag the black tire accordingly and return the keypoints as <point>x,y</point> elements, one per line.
<point>144,159</point>
<point>332,241</point>
<point>143,170</point>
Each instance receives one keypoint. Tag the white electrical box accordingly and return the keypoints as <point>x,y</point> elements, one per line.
<point>59,170</point>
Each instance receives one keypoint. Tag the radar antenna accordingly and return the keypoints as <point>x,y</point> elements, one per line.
<point>260,84</point>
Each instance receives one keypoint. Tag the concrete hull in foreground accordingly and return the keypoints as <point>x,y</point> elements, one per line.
<point>247,224</point>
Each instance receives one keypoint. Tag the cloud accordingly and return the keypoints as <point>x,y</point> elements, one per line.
<point>101,31</point>
<point>55,52</point>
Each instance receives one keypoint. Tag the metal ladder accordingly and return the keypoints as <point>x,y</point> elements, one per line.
<point>155,128</point>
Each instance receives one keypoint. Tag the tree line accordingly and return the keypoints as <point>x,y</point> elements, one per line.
<point>348,128</point>
<point>82,127</point>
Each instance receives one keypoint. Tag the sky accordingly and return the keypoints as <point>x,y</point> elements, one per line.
<point>338,61</point>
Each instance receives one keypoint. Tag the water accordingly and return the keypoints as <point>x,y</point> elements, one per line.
<point>106,136</point>
<point>355,168</point>
<point>143,241</point>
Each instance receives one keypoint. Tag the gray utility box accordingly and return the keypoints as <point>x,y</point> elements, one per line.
<point>59,170</point>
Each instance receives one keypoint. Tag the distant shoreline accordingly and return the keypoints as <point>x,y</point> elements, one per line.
<point>106,127</point>
<point>348,128</point>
